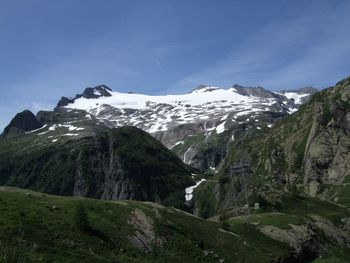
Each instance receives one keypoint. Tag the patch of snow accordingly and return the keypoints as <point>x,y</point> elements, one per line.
<point>292,110</point>
<point>220,128</point>
<point>189,190</point>
<point>53,127</point>
<point>71,134</point>
<point>97,93</point>
<point>295,96</point>
<point>185,155</point>
<point>36,129</point>
<point>42,133</point>
<point>180,142</point>
<point>72,128</point>
<point>68,126</point>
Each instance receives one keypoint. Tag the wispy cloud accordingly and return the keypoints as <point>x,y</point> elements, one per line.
<point>310,49</point>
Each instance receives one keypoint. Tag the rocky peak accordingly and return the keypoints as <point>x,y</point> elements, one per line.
<point>255,91</point>
<point>88,93</point>
<point>23,121</point>
<point>64,101</point>
<point>203,88</point>
<point>96,92</point>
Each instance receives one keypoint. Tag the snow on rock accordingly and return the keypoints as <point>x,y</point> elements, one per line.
<point>161,112</point>
<point>42,133</point>
<point>295,96</point>
<point>141,101</point>
<point>71,134</point>
<point>36,129</point>
<point>68,126</point>
<point>220,128</point>
<point>179,142</point>
<point>189,190</point>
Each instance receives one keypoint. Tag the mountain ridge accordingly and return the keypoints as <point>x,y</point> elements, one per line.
<point>205,112</point>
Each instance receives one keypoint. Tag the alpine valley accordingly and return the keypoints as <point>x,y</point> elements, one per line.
<point>241,174</point>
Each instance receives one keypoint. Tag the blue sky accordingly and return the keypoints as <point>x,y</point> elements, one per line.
<point>50,49</point>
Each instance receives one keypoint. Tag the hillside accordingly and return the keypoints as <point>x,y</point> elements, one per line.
<point>36,227</point>
<point>307,151</point>
<point>74,154</point>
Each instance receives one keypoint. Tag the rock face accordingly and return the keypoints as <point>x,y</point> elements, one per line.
<point>145,237</point>
<point>86,158</point>
<point>309,148</point>
<point>197,126</point>
<point>304,243</point>
<point>89,93</point>
<point>257,92</point>
<point>22,122</point>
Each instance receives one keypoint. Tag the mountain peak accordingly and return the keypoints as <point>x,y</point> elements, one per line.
<point>23,121</point>
<point>96,92</point>
<point>254,91</point>
<point>203,88</point>
<point>88,93</point>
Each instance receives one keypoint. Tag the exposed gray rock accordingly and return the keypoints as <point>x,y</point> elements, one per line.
<point>144,237</point>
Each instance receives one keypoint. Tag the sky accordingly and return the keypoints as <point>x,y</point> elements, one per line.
<point>50,49</point>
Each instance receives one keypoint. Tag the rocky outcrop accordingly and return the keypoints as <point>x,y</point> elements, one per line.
<point>144,237</point>
<point>22,122</point>
<point>303,240</point>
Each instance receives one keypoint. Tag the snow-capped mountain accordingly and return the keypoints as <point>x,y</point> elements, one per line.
<point>176,119</point>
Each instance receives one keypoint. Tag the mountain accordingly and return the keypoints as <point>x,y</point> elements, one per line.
<point>306,152</point>
<point>279,191</point>
<point>197,126</point>
<point>22,122</point>
<point>75,154</point>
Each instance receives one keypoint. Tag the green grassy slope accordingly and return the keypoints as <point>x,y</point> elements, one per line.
<point>36,227</point>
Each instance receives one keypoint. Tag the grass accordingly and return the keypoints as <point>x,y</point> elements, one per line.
<point>280,220</point>
<point>204,196</point>
<point>36,227</point>
<point>305,206</point>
